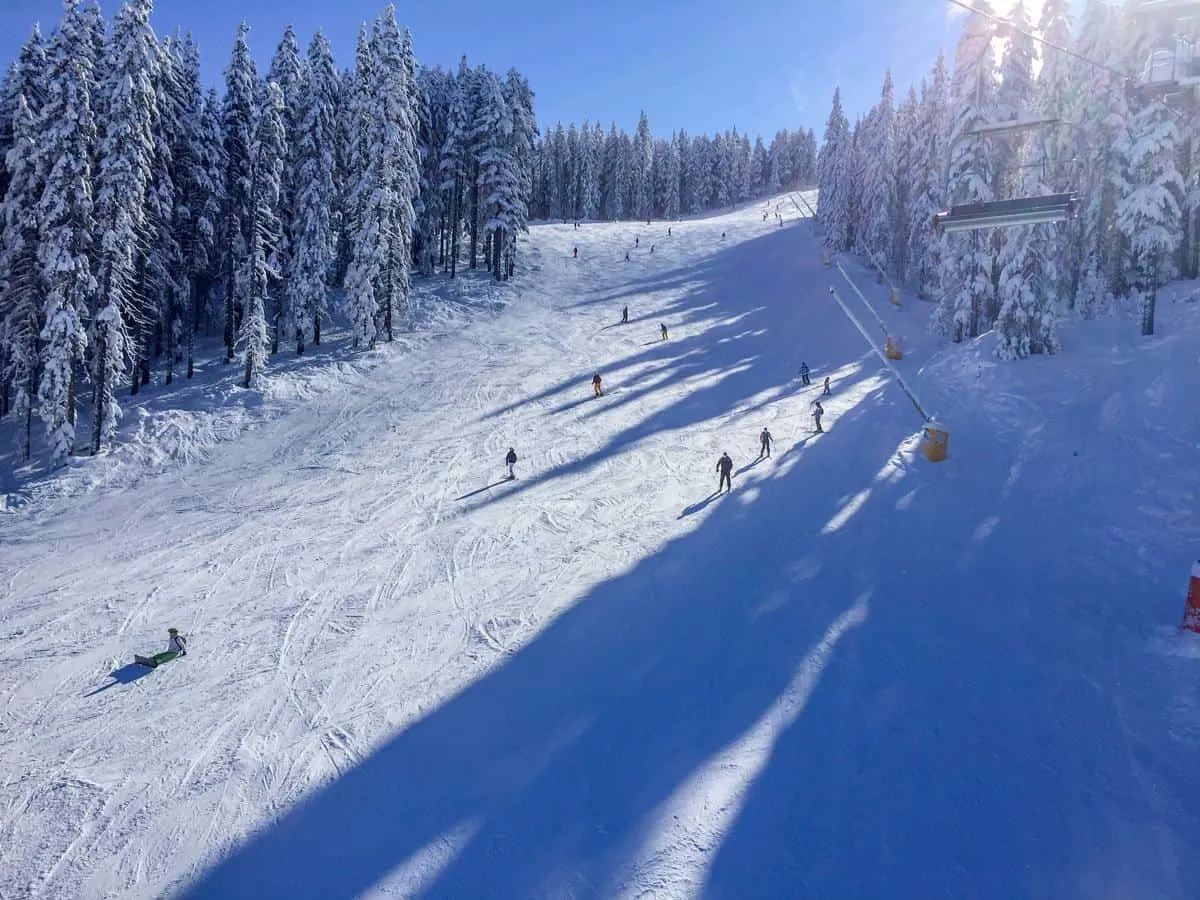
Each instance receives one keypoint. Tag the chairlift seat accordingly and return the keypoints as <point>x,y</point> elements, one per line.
<point>1007,213</point>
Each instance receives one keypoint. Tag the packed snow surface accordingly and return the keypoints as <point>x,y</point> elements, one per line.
<point>860,674</point>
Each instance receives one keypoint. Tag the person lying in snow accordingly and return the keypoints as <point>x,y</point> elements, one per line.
<point>176,642</point>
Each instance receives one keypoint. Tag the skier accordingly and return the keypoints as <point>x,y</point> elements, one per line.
<point>668,231</point>
<point>625,316</point>
<point>826,392</point>
<point>764,441</point>
<point>818,411</point>
<point>722,235</point>
<point>511,461</point>
<point>636,241</point>
<point>596,385</point>
<point>575,253</point>
<point>804,373</point>
<point>725,467</point>
<point>626,256</point>
<point>663,328</point>
<point>651,248</point>
<point>175,642</point>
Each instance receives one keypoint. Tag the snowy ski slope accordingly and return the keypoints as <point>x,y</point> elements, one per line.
<point>858,675</point>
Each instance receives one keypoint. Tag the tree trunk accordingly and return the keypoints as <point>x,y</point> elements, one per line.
<point>99,392</point>
<point>191,321</point>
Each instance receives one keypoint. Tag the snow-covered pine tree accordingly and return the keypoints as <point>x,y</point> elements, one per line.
<point>519,98</point>
<point>455,162</point>
<point>832,178</point>
<point>642,163</point>
<point>312,251</point>
<point>65,133</point>
<point>877,157</point>
<point>237,126</point>
<point>23,82</point>
<point>363,220</point>
<point>127,148</point>
<point>1147,213</point>
<point>758,168</point>
<point>22,295</point>
<point>198,159</point>
<point>267,151</point>
<point>967,262</point>
<point>286,71</point>
<point>499,181</point>
<point>435,88</point>
<point>927,196</point>
<point>396,166</point>
<point>908,152</point>
<point>162,276</point>
<point>671,171</point>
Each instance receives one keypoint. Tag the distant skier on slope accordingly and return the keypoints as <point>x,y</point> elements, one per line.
<point>625,316</point>
<point>804,373</point>
<point>663,329</point>
<point>651,249</point>
<point>596,385</point>
<point>668,231</point>
<point>818,411</point>
<point>725,467</point>
<point>511,462</point>
<point>764,441</point>
<point>575,253</point>
<point>626,256</point>
<point>826,392</point>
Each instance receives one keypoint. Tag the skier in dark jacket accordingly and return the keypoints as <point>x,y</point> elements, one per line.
<point>511,461</point>
<point>804,373</point>
<point>575,253</point>
<point>818,411</point>
<point>625,315</point>
<point>596,385</point>
<point>765,441</point>
<point>725,467</point>
<point>826,392</point>
<point>663,330</point>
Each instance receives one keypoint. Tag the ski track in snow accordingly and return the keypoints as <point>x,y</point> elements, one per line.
<point>408,677</point>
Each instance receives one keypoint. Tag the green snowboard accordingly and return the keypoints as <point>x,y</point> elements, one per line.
<point>156,660</point>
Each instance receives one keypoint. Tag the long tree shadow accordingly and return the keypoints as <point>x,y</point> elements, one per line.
<point>542,778</point>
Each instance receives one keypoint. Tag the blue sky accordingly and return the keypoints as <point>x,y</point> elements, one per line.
<point>701,65</point>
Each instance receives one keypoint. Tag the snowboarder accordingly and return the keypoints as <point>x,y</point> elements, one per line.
<point>818,411</point>
<point>625,316</point>
<point>663,328</point>
<point>804,373</point>
<point>725,467</point>
<point>176,643</point>
<point>764,441</point>
<point>826,391</point>
<point>596,385</point>
<point>511,461</point>
<point>575,253</point>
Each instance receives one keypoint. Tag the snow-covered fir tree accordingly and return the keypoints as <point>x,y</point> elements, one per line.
<point>313,240</point>
<point>22,295</point>
<point>286,71</point>
<point>127,149</point>
<point>237,125</point>
<point>65,135</point>
<point>267,151</point>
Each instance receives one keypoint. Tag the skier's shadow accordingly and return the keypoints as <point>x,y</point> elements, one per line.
<point>696,507</point>
<point>127,674</point>
<point>748,466</point>
<point>486,487</point>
